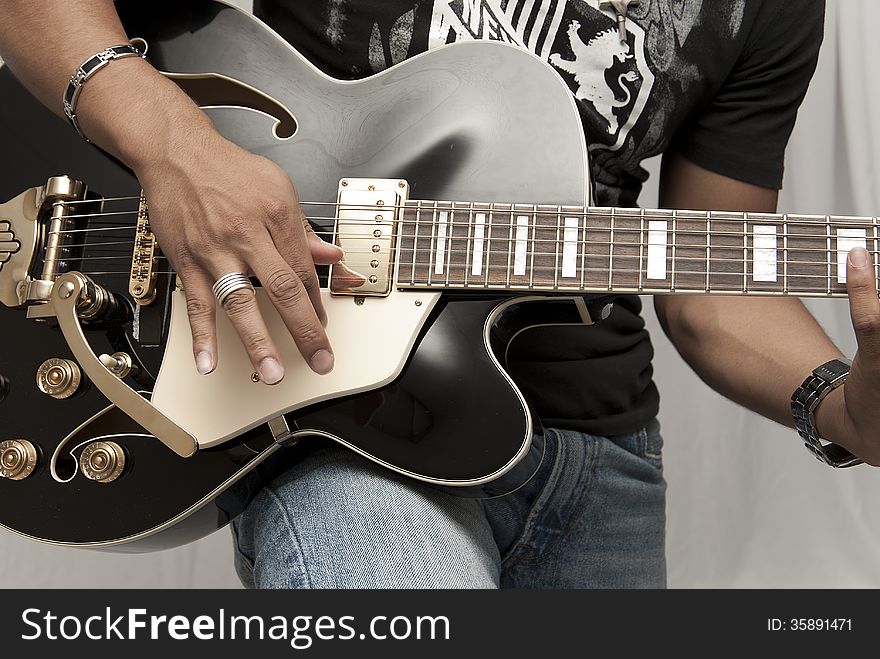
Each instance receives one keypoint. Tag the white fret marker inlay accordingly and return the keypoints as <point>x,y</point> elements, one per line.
<point>570,247</point>
<point>656,249</point>
<point>479,234</point>
<point>522,245</point>
<point>846,240</point>
<point>764,253</point>
<point>440,258</point>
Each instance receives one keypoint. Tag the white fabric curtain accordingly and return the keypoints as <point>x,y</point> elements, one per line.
<point>748,507</point>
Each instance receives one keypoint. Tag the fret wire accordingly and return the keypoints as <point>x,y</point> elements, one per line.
<point>672,278</point>
<point>708,248</point>
<point>876,264</point>
<point>448,242</point>
<point>558,245</point>
<point>611,253</point>
<point>416,237</point>
<point>745,287</point>
<point>489,243</point>
<point>510,241</point>
<point>470,244</point>
<point>641,245</point>
<point>583,242</point>
<point>785,254</point>
<point>534,236</point>
<point>433,251</point>
<point>828,230</point>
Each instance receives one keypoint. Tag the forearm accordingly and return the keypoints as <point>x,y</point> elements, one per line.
<point>755,351</point>
<point>128,108</point>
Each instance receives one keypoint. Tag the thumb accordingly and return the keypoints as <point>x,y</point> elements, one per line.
<point>864,304</point>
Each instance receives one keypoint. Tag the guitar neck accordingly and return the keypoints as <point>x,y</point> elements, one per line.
<point>452,245</point>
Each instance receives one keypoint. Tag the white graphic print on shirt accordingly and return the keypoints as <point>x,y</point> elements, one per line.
<point>577,38</point>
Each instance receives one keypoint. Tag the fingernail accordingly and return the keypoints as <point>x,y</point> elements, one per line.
<point>204,362</point>
<point>271,371</point>
<point>322,362</point>
<point>858,256</point>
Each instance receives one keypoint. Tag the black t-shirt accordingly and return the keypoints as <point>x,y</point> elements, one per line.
<point>718,80</point>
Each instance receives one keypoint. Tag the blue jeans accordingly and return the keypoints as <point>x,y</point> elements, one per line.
<point>592,517</point>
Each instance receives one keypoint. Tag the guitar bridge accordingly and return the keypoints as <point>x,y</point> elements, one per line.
<point>366,221</point>
<point>142,280</point>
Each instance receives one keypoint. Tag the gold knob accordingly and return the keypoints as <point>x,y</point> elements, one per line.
<point>59,378</point>
<point>18,458</point>
<point>102,462</point>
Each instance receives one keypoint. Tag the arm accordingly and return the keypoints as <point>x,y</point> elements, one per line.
<point>215,208</point>
<point>756,351</point>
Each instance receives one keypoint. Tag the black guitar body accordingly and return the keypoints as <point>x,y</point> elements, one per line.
<point>458,417</point>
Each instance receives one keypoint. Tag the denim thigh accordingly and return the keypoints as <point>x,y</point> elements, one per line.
<point>592,517</point>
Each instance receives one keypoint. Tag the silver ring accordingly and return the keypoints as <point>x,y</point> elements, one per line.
<point>228,284</point>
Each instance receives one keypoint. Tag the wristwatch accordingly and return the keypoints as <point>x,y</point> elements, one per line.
<point>804,402</point>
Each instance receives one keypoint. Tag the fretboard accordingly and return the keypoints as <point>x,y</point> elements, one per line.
<point>595,250</point>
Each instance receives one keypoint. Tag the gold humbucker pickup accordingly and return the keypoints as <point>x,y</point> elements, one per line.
<point>366,221</point>
<point>142,281</point>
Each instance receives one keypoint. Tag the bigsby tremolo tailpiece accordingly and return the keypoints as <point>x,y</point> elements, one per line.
<point>24,230</point>
<point>39,217</point>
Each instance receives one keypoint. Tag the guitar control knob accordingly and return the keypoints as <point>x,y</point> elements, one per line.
<point>102,462</point>
<point>59,378</point>
<point>18,458</point>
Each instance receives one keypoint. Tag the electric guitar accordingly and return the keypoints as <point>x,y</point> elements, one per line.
<point>427,175</point>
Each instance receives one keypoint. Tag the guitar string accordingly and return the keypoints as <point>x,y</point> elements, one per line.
<point>490,207</point>
<point>621,271</point>
<point>580,242</point>
<point>528,253</point>
<point>532,227</point>
<point>618,215</point>
<point>471,241</point>
<point>549,254</point>
<point>532,242</point>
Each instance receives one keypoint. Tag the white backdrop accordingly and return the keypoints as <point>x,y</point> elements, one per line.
<point>748,507</point>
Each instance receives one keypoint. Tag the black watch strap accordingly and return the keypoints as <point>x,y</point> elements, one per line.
<point>804,402</point>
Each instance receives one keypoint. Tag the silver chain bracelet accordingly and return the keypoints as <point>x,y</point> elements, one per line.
<point>85,71</point>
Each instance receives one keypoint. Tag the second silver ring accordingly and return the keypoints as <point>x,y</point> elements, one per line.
<point>229,284</point>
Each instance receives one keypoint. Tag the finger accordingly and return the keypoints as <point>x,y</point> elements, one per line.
<point>292,245</point>
<point>243,312</point>
<point>201,307</point>
<point>863,301</point>
<point>289,294</point>
<point>323,253</point>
